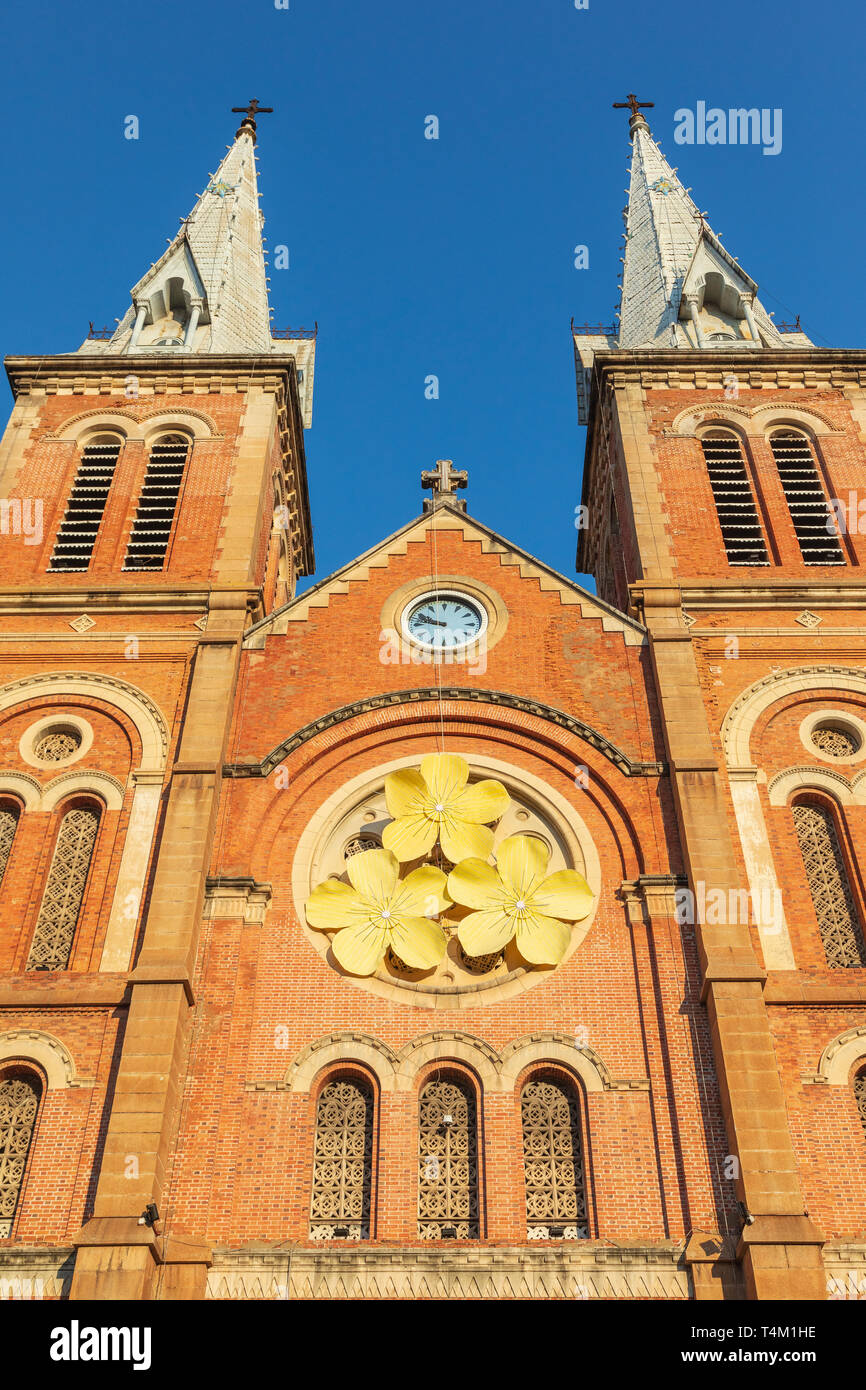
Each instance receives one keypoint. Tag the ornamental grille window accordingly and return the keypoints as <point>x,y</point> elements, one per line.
<point>343,1162</point>
<point>8,826</point>
<point>835,743</point>
<point>553,1161</point>
<point>448,1162</point>
<point>73,548</point>
<point>735,505</point>
<point>19,1102</point>
<point>841,932</point>
<point>860,1095</point>
<point>813,520</point>
<point>56,745</point>
<point>157,504</point>
<point>64,891</point>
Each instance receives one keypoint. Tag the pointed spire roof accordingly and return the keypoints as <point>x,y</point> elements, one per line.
<point>673,256</point>
<point>207,293</point>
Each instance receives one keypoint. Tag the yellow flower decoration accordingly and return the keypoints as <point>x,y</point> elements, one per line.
<point>379,911</point>
<point>436,803</point>
<point>520,901</point>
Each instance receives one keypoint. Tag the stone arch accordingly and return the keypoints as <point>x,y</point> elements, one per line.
<point>803,779</point>
<point>449,1046</point>
<point>839,1056</point>
<point>360,1048</point>
<point>535,1049</point>
<point>136,424</point>
<point>100,784</point>
<point>138,707</point>
<point>25,788</point>
<point>48,1052</point>
<point>747,708</point>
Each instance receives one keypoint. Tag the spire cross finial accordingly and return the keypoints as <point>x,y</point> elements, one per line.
<point>249,113</point>
<point>444,479</point>
<point>633,105</point>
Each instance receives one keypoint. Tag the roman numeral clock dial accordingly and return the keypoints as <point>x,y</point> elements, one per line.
<point>444,621</point>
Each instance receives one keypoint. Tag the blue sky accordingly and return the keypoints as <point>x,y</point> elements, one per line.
<point>451,257</point>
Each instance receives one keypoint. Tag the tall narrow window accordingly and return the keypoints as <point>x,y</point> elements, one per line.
<point>8,825</point>
<point>735,505</point>
<point>73,548</point>
<point>860,1095</point>
<point>64,890</point>
<point>157,504</point>
<point>810,511</point>
<point>19,1103</point>
<point>343,1162</point>
<point>553,1161</point>
<point>448,1162</point>
<point>833,900</point>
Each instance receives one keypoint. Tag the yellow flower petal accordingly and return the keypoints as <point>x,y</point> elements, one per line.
<point>405,792</point>
<point>360,950</point>
<point>460,840</point>
<point>522,863</point>
<point>446,774</point>
<point>475,884</point>
<point>334,905</point>
<point>420,943</point>
<point>564,894</point>
<point>482,933</point>
<point>410,837</point>
<point>482,803</point>
<point>421,893</point>
<point>542,940</point>
<point>374,874</point>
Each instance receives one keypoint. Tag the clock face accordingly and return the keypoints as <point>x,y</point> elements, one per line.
<point>444,621</point>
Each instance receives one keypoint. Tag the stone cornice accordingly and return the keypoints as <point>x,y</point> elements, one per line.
<point>74,371</point>
<point>626,765</point>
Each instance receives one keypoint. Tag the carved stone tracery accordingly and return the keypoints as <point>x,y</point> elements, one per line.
<point>19,1102</point>
<point>342,1165</point>
<point>553,1161</point>
<point>448,1162</point>
<point>841,932</point>
<point>64,890</point>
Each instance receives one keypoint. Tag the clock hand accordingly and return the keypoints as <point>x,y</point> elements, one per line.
<point>434,621</point>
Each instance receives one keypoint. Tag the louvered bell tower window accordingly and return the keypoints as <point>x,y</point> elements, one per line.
<point>735,505</point>
<point>73,549</point>
<point>841,932</point>
<point>64,890</point>
<point>157,504</point>
<point>809,508</point>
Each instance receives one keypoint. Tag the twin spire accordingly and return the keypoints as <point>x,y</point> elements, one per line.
<point>680,287</point>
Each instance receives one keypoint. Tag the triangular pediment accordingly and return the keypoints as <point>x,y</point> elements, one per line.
<point>444,518</point>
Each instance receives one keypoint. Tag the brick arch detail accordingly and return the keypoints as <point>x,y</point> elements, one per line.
<point>841,1054</point>
<point>48,1052</point>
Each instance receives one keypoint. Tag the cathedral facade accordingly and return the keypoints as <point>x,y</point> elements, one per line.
<point>444,930</point>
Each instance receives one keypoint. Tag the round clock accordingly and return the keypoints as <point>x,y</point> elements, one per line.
<point>444,620</point>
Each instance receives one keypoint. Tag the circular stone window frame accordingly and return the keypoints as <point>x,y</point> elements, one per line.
<point>397,606</point>
<point>564,819</point>
<point>839,719</point>
<point>59,722</point>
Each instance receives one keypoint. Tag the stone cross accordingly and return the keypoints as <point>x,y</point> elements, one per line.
<point>249,112</point>
<point>444,480</point>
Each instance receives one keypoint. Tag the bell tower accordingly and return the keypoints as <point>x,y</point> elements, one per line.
<point>719,446</point>
<point>155,506</point>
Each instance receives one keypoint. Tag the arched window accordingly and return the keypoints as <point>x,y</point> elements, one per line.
<point>9,814</point>
<point>448,1161</point>
<point>19,1103</point>
<point>735,504</point>
<point>343,1161</point>
<point>860,1094</point>
<point>827,875</point>
<point>553,1160</point>
<point>73,548</point>
<point>64,890</point>
<point>810,512</point>
<point>157,504</point>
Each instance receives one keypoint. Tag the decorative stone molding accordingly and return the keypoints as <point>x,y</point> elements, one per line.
<point>236,897</point>
<point>34,732</point>
<point>131,423</point>
<point>852,724</point>
<point>19,784</point>
<point>41,1272</point>
<point>837,1059</point>
<point>754,423</point>
<point>628,766</point>
<point>808,619</point>
<point>107,788</point>
<point>805,778</point>
<point>143,712</point>
<point>83,623</point>
<point>845,1263</point>
<point>399,1070</point>
<point>30,1044</point>
<point>747,708</point>
<point>575,1270</point>
<point>651,895</point>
